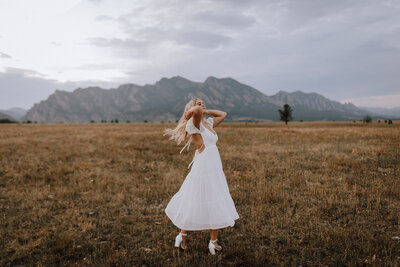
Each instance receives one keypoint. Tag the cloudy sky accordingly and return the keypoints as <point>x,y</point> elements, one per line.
<point>345,50</point>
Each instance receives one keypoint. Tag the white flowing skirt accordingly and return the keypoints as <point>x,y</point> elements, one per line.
<point>203,202</point>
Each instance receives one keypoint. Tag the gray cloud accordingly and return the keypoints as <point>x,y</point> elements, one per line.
<point>201,39</point>
<point>146,39</point>
<point>4,55</point>
<point>104,18</point>
<point>123,47</point>
<point>341,49</point>
<point>231,20</point>
<point>182,23</point>
<point>56,43</point>
<point>22,88</point>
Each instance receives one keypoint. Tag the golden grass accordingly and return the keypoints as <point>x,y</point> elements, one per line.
<point>322,193</point>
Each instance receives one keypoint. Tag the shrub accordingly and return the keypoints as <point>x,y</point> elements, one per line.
<point>367,119</point>
<point>7,121</point>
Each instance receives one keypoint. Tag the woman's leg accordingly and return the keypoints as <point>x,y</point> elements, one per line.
<point>183,237</point>
<point>214,236</point>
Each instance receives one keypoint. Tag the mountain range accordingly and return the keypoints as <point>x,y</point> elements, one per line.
<point>388,112</point>
<point>12,113</point>
<point>6,116</point>
<point>166,99</point>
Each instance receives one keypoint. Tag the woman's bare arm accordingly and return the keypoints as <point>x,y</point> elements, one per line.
<point>197,114</point>
<point>219,116</point>
<point>190,112</point>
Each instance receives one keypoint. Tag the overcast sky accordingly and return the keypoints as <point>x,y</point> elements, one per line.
<point>344,50</point>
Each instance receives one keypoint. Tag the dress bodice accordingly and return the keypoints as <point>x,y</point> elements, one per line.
<point>210,138</point>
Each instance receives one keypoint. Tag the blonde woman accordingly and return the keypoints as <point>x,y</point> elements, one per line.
<point>203,201</point>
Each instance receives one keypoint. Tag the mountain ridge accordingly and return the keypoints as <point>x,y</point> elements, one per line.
<point>13,113</point>
<point>165,100</point>
<point>6,116</point>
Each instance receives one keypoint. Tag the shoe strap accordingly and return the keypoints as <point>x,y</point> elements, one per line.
<point>183,234</point>
<point>213,240</point>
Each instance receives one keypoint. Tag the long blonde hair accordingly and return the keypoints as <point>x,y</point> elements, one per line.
<point>179,134</point>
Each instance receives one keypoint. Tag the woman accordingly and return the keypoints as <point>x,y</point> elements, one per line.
<point>203,202</point>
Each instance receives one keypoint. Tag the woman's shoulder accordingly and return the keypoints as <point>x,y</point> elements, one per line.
<point>190,128</point>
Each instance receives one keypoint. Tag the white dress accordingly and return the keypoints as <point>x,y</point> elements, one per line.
<point>203,201</point>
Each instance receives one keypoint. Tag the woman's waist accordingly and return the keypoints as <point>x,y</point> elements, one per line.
<point>205,150</point>
<point>208,145</point>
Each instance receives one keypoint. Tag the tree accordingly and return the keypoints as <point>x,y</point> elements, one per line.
<point>286,114</point>
<point>367,119</point>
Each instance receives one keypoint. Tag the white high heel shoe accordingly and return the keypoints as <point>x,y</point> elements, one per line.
<point>212,247</point>
<point>178,241</point>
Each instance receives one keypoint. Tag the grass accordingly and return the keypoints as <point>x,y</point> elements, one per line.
<point>322,193</point>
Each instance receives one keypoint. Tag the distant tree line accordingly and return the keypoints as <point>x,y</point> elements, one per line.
<point>7,121</point>
<point>286,115</point>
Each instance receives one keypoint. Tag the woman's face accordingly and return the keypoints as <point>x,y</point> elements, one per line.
<point>201,104</point>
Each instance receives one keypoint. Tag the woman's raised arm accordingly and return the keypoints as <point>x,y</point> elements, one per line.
<point>219,116</point>
<point>189,113</point>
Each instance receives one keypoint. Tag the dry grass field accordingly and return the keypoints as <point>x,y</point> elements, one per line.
<point>323,193</point>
